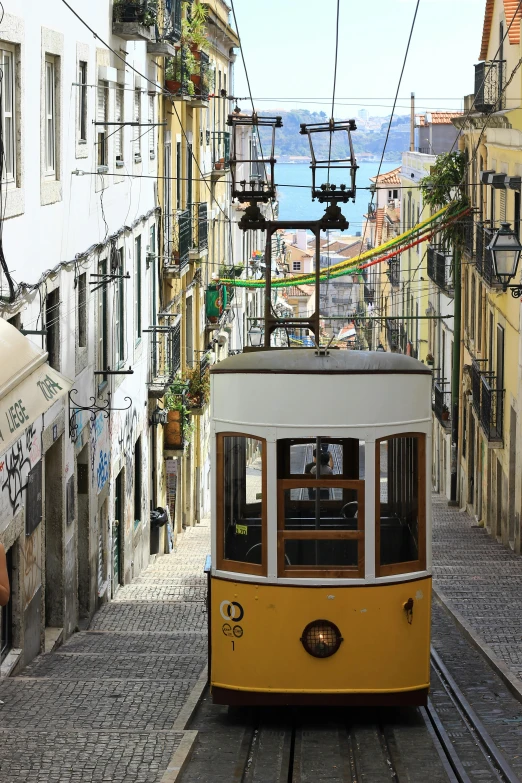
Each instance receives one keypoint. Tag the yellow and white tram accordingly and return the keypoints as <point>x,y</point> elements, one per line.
<point>320,584</point>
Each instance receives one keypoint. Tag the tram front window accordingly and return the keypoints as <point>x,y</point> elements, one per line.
<point>401,503</point>
<point>242,505</point>
<point>321,507</point>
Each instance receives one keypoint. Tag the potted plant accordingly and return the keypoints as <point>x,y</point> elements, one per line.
<point>178,430</point>
<point>430,360</point>
<point>198,387</point>
<point>445,413</point>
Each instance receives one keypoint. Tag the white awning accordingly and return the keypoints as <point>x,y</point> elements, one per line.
<point>28,385</point>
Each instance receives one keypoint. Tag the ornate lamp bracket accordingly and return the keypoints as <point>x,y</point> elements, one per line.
<point>93,409</point>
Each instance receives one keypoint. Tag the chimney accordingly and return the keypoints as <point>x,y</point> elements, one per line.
<point>412,123</point>
<point>301,239</point>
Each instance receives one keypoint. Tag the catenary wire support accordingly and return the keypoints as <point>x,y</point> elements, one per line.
<point>102,280</point>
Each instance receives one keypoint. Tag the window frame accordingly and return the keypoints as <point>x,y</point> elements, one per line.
<point>152,131</point>
<point>222,564</point>
<point>119,312</point>
<point>296,266</point>
<point>411,566</point>
<point>50,116</point>
<point>82,310</point>
<point>102,357</point>
<point>138,326</point>
<point>136,141</point>
<point>82,101</point>
<point>10,51</point>
<point>306,571</point>
<point>102,115</point>
<point>119,116</point>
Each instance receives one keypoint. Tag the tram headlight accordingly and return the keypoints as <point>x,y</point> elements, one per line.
<point>321,638</point>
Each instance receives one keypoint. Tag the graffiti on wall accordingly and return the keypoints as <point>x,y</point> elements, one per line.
<point>99,452</point>
<point>15,466</point>
<point>126,440</point>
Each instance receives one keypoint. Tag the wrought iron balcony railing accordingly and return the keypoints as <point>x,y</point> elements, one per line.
<point>189,75</point>
<point>488,400</point>
<point>489,85</point>
<point>180,243</point>
<point>369,294</point>
<point>440,268</point>
<point>199,226</point>
<point>469,235</point>
<point>220,149</point>
<point>491,408</point>
<point>483,260</point>
<point>394,271</point>
<point>165,352</point>
<point>442,402</point>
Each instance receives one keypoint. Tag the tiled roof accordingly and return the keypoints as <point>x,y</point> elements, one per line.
<point>510,8</point>
<point>390,178</point>
<point>437,118</point>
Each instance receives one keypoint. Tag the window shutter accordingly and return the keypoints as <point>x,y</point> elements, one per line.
<point>118,136</point>
<point>7,107</point>
<point>137,118</point>
<point>101,111</point>
<point>152,132</point>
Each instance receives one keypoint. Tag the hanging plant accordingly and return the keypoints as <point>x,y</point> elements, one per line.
<point>198,387</point>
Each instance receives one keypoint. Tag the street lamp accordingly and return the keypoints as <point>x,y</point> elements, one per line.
<point>255,335</point>
<point>159,416</point>
<point>505,251</point>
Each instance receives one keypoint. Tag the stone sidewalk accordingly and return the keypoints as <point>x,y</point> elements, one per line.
<point>480,581</point>
<point>109,705</point>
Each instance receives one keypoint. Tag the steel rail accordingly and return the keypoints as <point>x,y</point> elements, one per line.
<point>489,748</point>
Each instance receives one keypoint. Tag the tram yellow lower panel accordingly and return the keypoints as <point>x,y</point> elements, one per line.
<point>256,635</point>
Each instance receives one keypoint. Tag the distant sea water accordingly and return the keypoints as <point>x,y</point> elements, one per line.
<point>297,204</point>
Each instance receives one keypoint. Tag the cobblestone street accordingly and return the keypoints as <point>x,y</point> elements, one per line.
<point>103,707</point>
<point>481,580</point>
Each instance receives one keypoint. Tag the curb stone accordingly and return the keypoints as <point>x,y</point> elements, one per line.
<point>512,683</point>
<point>182,754</point>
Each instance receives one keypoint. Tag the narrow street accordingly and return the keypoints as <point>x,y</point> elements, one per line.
<point>114,703</point>
<point>104,706</point>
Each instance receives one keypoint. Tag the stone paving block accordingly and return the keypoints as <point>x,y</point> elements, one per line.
<point>481,579</point>
<point>102,707</point>
<point>89,757</point>
<point>192,643</point>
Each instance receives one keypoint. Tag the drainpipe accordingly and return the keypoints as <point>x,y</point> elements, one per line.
<point>455,378</point>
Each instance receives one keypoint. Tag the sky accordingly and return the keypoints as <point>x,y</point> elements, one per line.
<point>289,48</point>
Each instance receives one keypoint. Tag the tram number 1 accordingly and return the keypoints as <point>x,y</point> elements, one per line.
<point>233,645</point>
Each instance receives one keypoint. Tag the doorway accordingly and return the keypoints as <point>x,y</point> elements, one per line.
<point>86,578</point>
<point>117,526</point>
<point>54,542</point>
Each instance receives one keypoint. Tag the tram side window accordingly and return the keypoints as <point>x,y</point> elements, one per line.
<point>401,503</point>
<point>242,510</point>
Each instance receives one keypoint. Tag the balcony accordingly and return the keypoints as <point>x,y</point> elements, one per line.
<point>488,401</point>
<point>442,402</point>
<point>167,30</point>
<point>179,246</point>
<point>440,268</point>
<point>134,20</point>
<point>220,143</point>
<point>394,271</point>
<point>199,230</point>
<point>165,353</point>
<point>489,83</point>
<point>396,335</point>
<point>189,76</point>
<point>469,236</point>
<point>369,294</point>
<point>483,261</point>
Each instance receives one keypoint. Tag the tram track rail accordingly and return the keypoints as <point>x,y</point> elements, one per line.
<point>484,754</point>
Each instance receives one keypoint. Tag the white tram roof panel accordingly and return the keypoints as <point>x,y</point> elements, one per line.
<point>307,361</point>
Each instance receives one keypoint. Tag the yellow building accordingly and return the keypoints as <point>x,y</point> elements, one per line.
<point>489,421</point>
<point>195,243</point>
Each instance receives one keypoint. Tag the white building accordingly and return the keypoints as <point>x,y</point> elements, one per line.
<point>74,217</point>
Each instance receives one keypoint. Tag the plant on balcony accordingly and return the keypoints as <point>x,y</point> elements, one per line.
<point>430,359</point>
<point>198,387</point>
<point>445,413</point>
<point>145,13</point>
<point>184,72</point>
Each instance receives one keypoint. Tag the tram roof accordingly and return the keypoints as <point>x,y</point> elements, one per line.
<point>308,361</point>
